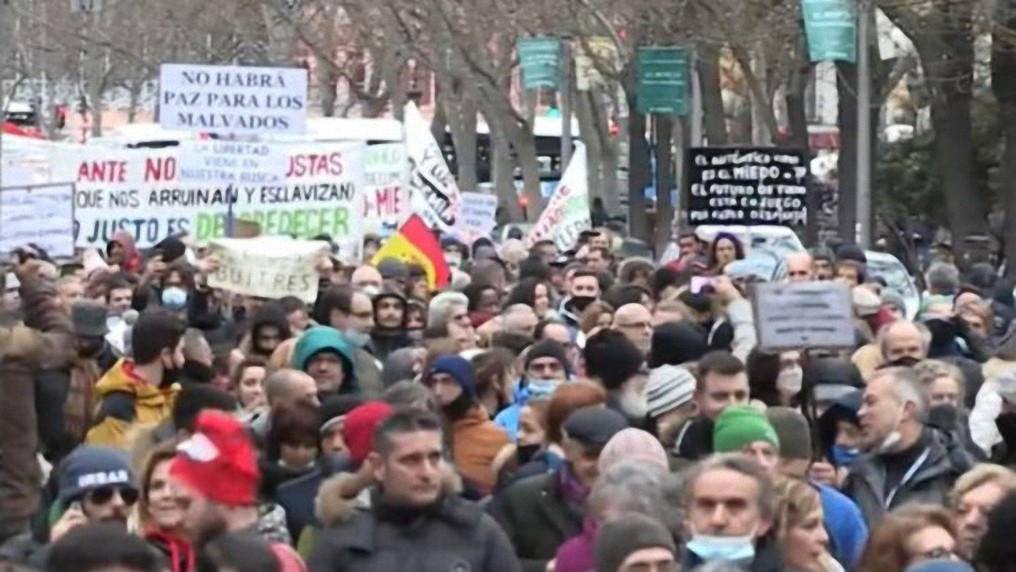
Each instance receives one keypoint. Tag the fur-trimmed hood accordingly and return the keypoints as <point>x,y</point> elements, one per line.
<point>342,495</point>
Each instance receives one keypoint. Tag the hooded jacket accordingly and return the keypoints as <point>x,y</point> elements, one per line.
<point>931,482</point>
<point>131,257</point>
<point>454,535</point>
<point>46,333</point>
<point>320,339</point>
<point>385,341</point>
<point>268,315</point>
<point>126,401</point>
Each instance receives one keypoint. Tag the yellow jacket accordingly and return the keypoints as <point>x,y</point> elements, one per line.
<point>126,402</point>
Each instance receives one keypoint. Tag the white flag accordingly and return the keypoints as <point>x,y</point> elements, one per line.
<point>435,194</point>
<point>567,213</point>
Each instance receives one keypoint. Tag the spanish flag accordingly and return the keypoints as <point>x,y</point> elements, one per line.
<point>415,243</point>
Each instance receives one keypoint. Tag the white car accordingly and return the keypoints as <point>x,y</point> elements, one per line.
<point>897,279</point>
<point>777,239</point>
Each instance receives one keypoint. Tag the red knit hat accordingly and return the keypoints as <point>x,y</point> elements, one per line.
<point>218,460</point>
<point>358,428</point>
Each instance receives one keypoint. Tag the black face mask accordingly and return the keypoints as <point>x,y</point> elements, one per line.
<point>905,361</point>
<point>942,331</point>
<point>580,303</point>
<point>192,371</point>
<point>525,453</point>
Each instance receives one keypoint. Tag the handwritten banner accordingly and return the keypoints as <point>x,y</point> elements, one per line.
<point>478,212</point>
<point>267,267</point>
<point>435,193</point>
<point>747,186</point>
<point>40,214</point>
<point>139,191</point>
<point>232,162</point>
<point>567,213</point>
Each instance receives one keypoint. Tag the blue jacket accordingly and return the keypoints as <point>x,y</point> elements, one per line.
<point>846,527</point>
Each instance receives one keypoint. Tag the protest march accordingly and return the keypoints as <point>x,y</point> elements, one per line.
<point>259,348</point>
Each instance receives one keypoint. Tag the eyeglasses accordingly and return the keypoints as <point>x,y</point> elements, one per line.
<point>940,553</point>
<point>637,326</point>
<point>104,495</point>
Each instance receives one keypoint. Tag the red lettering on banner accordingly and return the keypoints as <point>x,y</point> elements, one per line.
<point>161,169</point>
<point>102,172</point>
<point>315,165</point>
<point>387,201</point>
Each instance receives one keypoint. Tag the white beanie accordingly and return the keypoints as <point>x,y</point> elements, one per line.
<point>669,387</point>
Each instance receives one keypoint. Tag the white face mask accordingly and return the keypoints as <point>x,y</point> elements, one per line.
<point>454,259</point>
<point>892,440</point>
<point>790,380</point>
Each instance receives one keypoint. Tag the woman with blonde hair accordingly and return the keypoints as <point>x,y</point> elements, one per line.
<point>160,519</point>
<point>800,532</point>
<point>907,536</point>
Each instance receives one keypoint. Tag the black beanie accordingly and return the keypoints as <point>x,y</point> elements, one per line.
<point>548,348</point>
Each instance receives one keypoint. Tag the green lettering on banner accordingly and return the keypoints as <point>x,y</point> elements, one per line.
<point>304,223</point>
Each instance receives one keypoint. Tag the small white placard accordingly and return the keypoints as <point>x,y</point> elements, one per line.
<point>808,315</point>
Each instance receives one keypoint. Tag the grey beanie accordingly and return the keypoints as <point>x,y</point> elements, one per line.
<point>618,539</point>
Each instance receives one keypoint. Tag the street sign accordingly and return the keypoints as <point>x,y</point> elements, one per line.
<point>662,80</point>
<point>830,27</point>
<point>540,59</point>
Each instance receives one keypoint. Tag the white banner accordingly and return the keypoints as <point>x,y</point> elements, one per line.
<point>139,191</point>
<point>40,214</point>
<point>436,197</point>
<point>478,211</point>
<point>386,200</point>
<point>567,213</point>
<point>232,162</point>
<point>268,267</point>
<point>233,99</point>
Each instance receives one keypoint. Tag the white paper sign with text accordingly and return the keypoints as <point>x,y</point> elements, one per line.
<point>40,214</point>
<point>478,211</point>
<point>232,162</point>
<point>806,315</point>
<point>233,99</point>
<point>269,267</point>
<point>386,200</point>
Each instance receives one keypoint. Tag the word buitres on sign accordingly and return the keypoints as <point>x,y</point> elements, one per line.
<point>747,186</point>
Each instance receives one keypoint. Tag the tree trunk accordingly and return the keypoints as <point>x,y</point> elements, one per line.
<point>504,174</point>
<point>462,121</point>
<point>663,134</point>
<point>589,132</point>
<point>797,119</point>
<point>638,174</point>
<point>715,122</point>
<point>327,80</point>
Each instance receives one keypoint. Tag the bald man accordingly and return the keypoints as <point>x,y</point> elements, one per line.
<point>367,279</point>
<point>800,267</point>
<point>904,343</point>
<point>636,323</point>
<point>283,387</point>
<point>520,318</point>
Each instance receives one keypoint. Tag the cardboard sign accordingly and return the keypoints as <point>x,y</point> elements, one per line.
<point>139,191</point>
<point>232,162</point>
<point>435,193</point>
<point>41,214</point>
<point>233,99</point>
<point>747,186</point>
<point>808,315</point>
<point>567,213</point>
<point>267,267</point>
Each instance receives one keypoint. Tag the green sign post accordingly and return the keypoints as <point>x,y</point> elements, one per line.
<point>831,29</point>
<point>662,80</point>
<point>540,59</point>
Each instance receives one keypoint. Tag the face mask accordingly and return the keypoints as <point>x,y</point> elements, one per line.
<point>525,453</point>
<point>174,298</point>
<point>541,387</point>
<point>790,380</point>
<point>453,259</point>
<point>893,439</point>
<point>725,548</point>
<point>906,361</point>
<point>843,456</point>
<point>580,303</point>
<point>370,291</point>
<point>356,338</point>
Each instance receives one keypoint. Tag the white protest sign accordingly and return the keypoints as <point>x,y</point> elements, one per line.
<point>478,210</point>
<point>41,214</point>
<point>386,200</point>
<point>567,213</point>
<point>233,99</point>
<point>232,162</point>
<point>139,191</point>
<point>804,315</point>
<point>436,197</point>
<point>269,267</point>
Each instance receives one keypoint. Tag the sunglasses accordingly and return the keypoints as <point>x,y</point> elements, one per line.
<point>103,495</point>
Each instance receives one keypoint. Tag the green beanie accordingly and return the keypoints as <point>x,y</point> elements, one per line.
<point>738,427</point>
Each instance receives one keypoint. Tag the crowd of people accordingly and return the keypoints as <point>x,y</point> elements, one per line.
<point>563,411</point>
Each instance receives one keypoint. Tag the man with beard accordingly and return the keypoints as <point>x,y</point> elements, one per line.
<point>475,439</point>
<point>636,323</point>
<point>95,484</point>
<point>583,290</point>
<point>140,391</point>
<point>216,476</point>
<point>389,333</point>
<point>614,361</point>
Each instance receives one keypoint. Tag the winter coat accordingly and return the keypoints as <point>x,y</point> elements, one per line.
<point>847,530</point>
<point>536,519</point>
<point>946,461</point>
<point>476,441</point>
<point>46,336</point>
<point>127,402</point>
<point>456,536</point>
